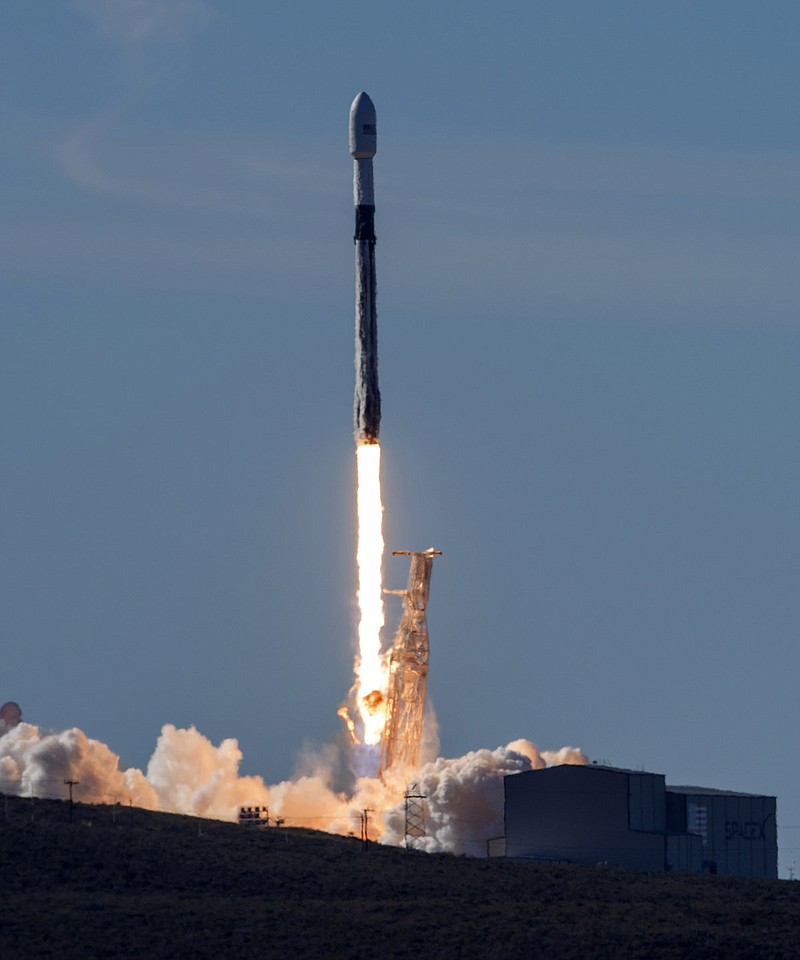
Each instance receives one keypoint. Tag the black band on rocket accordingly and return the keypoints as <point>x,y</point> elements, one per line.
<point>365,222</point>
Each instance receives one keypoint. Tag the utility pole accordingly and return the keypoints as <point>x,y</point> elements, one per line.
<point>415,815</point>
<point>365,827</point>
<point>71,784</point>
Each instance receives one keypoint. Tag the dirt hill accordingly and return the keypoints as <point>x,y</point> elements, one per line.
<point>120,882</point>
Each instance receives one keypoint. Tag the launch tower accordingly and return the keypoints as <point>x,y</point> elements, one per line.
<point>408,666</point>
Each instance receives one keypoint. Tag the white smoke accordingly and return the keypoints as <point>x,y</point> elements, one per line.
<point>36,763</point>
<point>187,774</point>
<point>190,775</point>
<point>463,798</point>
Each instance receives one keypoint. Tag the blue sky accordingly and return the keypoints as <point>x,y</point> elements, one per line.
<point>588,236</point>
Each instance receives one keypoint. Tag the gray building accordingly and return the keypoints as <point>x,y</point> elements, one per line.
<point>628,818</point>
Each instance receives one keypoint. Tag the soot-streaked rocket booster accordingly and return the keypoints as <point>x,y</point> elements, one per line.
<point>363,144</point>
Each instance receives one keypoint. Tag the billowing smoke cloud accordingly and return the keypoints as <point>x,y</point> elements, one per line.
<point>36,763</point>
<point>187,774</point>
<point>464,798</point>
<point>190,775</point>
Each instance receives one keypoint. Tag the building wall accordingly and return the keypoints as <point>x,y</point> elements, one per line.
<point>646,803</point>
<point>684,853</point>
<point>586,815</point>
<point>626,818</point>
<point>738,832</point>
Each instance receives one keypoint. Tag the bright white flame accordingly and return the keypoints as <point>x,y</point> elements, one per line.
<point>370,665</point>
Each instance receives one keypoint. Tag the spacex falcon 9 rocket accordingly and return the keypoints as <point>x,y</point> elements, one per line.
<point>389,691</point>
<point>363,144</point>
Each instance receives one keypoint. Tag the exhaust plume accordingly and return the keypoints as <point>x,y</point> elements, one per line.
<point>464,797</point>
<point>370,665</point>
<point>187,774</point>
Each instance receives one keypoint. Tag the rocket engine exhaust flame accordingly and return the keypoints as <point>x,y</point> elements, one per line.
<point>374,701</point>
<point>370,666</point>
<point>344,713</point>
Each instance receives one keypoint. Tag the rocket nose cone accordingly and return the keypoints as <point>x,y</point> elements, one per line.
<point>363,128</point>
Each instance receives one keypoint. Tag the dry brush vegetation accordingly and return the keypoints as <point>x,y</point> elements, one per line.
<point>120,883</point>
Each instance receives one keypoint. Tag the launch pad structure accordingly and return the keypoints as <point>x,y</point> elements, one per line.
<point>408,666</point>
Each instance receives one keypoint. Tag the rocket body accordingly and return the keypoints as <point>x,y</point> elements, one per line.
<point>363,144</point>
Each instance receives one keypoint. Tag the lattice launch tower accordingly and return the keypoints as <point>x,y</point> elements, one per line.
<point>408,666</point>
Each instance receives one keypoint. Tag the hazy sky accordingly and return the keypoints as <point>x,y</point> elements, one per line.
<point>588,284</point>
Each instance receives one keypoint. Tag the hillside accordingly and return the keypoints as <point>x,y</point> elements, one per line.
<point>119,883</point>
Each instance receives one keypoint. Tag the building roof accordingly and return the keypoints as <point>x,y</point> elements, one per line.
<point>589,766</point>
<point>687,790</point>
<point>714,792</point>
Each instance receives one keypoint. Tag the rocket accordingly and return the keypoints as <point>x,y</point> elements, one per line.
<point>363,144</point>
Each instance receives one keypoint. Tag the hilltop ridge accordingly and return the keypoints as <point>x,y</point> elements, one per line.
<point>122,882</point>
